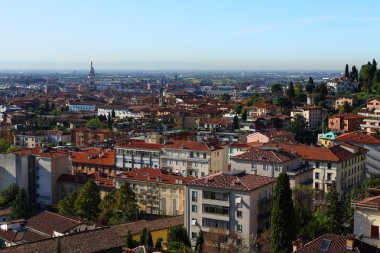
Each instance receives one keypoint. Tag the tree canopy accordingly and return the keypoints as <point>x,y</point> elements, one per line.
<point>95,123</point>
<point>20,208</point>
<point>86,205</point>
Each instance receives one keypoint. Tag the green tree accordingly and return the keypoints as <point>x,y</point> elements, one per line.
<point>310,85</point>
<point>284,102</point>
<point>298,89</point>
<point>66,205</point>
<point>238,108</point>
<point>236,122</point>
<point>158,244</point>
<point>143,236</point>
<point>109,121</point>
<point>376,77</point>
<point>179,234</point>
<point>283,216</point>
<point>365,76</point>
<point>107,206</point>
<point>87,203</point>
<point>4,145</point>
<point>374,68</point>
<point>347,72</point>
<point>20,206</point>
<point>94,123</point>
<point>276,89</point>
<point>148,239</point>
<point>333,210</point>
<point>354,75</point>
<point>129,240</point>
<point>8,195</point>
<point>113,113</point>
<point>225,97</point>
<point>244,115</point>
<point>345,108</point>
<point>47,107</point>
<point>298,126</point>
<point>58,245</point>
<point>290,91</point>
<point>199,243</point>
<point>348,214</point>
<point>125,207</point>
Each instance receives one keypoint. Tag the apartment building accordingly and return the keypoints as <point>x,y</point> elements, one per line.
<point>80,106</point>
<point>313,115</point>
<point>371,123</point>
<point>93,160</point>
<point>341,166</point>
<point>345,122</point>
<point>120,111</point>
<point>38,138</point>
<point>271,135</point>
<point>339,85</point>
<point>368,142</point>
<point>85,136</point>
<point>270,162</point>
<point>263,109</point>
<point>191,158</point>
<point>136,155</point>
<point>229,201</point>
<point>157,191</point>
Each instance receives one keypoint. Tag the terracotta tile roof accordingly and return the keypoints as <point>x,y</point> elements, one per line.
<point>240,181</point>
<point>358,138</point>
<point>69,178</point>
<point>141,145</point>
<point>151,175</point>
<point>276,133</point>
<point>337,245</point>
<point>95,156</point>
<point>98,240</point>
<point>48,222</point>
<point>190,145</point>
<point>154,225</point>
<point>42,152</point>
<point>261,154</point>
<point>266,106</point>
<point>239,145</point>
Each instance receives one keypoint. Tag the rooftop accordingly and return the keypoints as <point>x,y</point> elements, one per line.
<point>266,155</point>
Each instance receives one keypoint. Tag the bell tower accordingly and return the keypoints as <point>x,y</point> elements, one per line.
<point>91,76</point>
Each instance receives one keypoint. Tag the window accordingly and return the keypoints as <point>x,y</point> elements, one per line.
<point>222,210</point>
<point>194,208</point>
<point>265,167</point>
<point>316,175</point>
<point>253,167</point>
<point>239,214</point>
<point>215,195</point>
<point>316,164</point>
<point>194,235</point>
<point>329,165</point>
<point>329,176</point>
<point>239,227</point>
<point>316,185</point>
<point>194,196</point>
<point>211,223</point>
<point>374,231</point>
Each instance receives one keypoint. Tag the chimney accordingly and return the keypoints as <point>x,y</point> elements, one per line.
<point>297,244</point>
<point>350,242</point>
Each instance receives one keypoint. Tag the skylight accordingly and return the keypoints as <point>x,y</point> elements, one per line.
<point>325,245</point>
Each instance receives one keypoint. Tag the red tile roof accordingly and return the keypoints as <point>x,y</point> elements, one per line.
<point>218,121</point>
<point>240,182</point>
<point>261,154</point>
<point>152,175</point>
<point>337,245</point>
<point>358,138</point>
<point>190,145</point>
<point>141,145</point>
<point>347,116</point>
<point>95,156</point>
<point>42,152</point>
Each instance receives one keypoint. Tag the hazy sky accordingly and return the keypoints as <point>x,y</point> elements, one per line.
<point>160,34</point>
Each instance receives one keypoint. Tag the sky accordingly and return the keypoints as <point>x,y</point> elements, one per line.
<point>192,34</point>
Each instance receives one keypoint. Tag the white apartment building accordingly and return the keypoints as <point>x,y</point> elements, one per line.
<point>337,85</point>
<point>120,112</point>
<point>191,158</point>
<point>37,139</point>
<point>313,115</point>
<point>136,155</point>
<point>80,106</point>
<point>229,201</point>
<point>371,124</point>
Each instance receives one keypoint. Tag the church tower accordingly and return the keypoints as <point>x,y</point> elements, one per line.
<point>91,76</point>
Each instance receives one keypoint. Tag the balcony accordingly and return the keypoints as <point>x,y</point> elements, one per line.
<point>186,158</point>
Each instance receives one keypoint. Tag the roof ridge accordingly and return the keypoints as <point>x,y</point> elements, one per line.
<point>243,183</point>
<point>60,215</point>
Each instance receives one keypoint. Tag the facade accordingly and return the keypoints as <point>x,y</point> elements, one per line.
<point>325,139</point>
<point>136,155</point>
<point>157,192</point>
<point>338,85</point>
<point>341,166</point>
<point>341,100</point>
<point>37,139</point>
<point>370,143</point>
<point>81,106</point>
<point>267,136</point>
<point>263,109</point>
<point>270,162</point>
<point>229,201</point>
<point>371,123</point>
<point>93,160</point>
<point>120,112</point>
<point>367,217</point>
<point>86,136</point>
<point>192,158</point>
<point>314,115</point>
<point>345,122</point>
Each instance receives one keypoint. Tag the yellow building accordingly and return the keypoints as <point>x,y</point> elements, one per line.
<point>157,191</point>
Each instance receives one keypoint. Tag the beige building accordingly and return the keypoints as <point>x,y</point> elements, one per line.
<point>313,115</point>
<point>233,201</point>
<point>191,158</point>
<point>157,192</point>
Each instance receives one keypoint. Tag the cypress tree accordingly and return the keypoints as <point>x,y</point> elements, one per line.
<point>158,244</point>
<point>346,72</point>
<point>109,121</point>
<point>283,216</point>
<point>199,243</point>
<point>143,236</point>
<point>58,245</point>
<point>87,203</point>
<point>290,91</point>
<point>20,206</point>
<point>113,113</point>
<point>129,240</point>
<point>236,122</point>
<point>244,115</point>
<point>148,239</point>
<point>354,74</point>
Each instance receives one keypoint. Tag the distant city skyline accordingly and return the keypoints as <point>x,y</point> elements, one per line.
<point>197,35</point>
